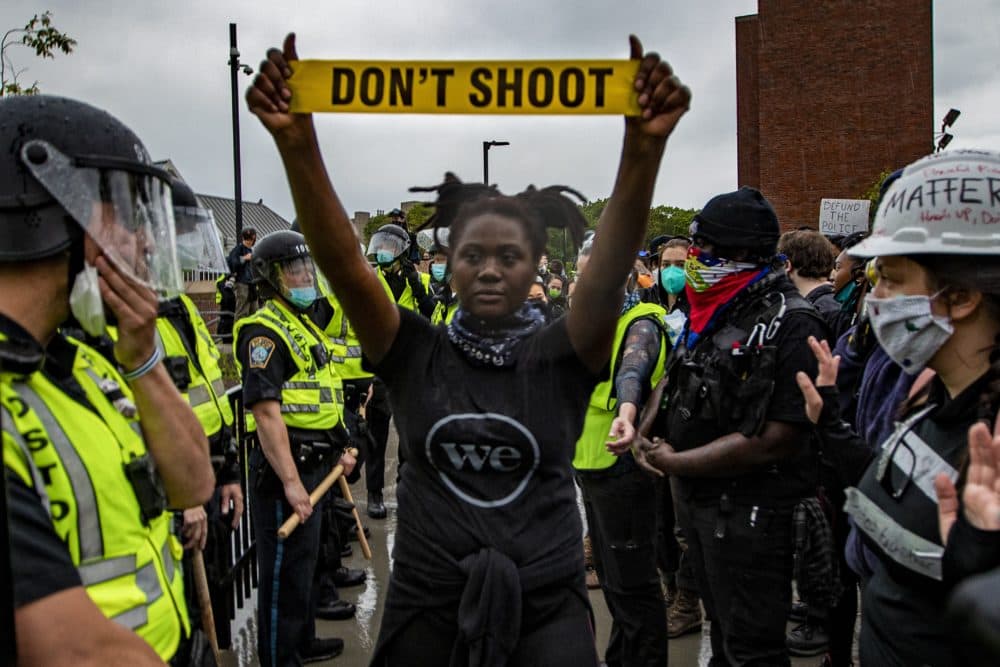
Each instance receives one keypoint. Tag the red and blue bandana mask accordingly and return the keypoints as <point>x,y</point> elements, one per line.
<point>711,283</point>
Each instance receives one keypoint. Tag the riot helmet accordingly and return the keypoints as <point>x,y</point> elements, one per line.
<point>194,225</point>
<point>282,265</point>
<point>740,220</point>
<point>69,167</point>
<point>388,244</point>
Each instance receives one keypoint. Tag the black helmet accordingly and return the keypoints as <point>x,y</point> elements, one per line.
<point>739,220</point>
<point>389,238</point>
<point>66,167</point>
<point>275,258</point>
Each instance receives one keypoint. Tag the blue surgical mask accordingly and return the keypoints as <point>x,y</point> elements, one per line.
<point>672,279</point>
<point>302,297</point>
<point>438,272</point>
<point>384,257</point>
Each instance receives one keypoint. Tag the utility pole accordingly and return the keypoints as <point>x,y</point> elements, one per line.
<point>234,68</point>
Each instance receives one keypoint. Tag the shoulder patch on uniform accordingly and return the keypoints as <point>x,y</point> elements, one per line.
<point>261,349</point>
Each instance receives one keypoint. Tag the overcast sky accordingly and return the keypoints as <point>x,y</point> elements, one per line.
<point>161,67</point>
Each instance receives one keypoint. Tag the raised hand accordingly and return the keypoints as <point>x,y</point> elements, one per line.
<point>825,377</point>
<point>662,96</point>
<point>981,495</point>
<point>135,307</point>
<point>269,97</point>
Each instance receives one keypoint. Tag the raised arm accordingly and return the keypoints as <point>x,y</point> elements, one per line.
<point>622,227</point>
<point>320,213</point>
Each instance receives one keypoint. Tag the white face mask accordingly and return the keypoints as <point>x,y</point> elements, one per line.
<point>907,329</point>
<point>85,301</point>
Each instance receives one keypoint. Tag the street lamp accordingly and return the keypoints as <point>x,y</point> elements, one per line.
<point>234,67</point>
<point>945,137</point>
<point>486,158</point>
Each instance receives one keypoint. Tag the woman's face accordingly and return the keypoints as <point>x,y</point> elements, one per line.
<point>899,276</point>
<point>537,292</point>
<point>843,269</point>
<point>673,256</point>
<point>492,266</point>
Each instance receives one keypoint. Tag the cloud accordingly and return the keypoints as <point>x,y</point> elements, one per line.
<point>162,68</point>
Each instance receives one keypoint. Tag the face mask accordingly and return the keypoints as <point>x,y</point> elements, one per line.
<point>672,279</point>
<point>85,302</point>
<point>384,258</point>
<point>907,329</point>
<point>703,270</point>
<point>438,272</point>
<point>554,293</point>
<point>644,281</point>
<point>302,297</point>
<point>846,292</point>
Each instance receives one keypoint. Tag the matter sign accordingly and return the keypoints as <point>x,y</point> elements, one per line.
<point>465,87</point>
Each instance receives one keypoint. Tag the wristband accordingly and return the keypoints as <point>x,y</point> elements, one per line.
<point>146,366</point>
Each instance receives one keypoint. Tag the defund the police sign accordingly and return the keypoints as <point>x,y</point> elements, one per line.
<point>465,87</point>
<point>843,216</point>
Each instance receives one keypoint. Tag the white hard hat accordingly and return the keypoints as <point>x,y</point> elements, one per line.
<point>943,204</point>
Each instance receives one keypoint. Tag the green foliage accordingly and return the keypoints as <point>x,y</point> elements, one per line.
<point>871,193</point>
<point>38,34</point>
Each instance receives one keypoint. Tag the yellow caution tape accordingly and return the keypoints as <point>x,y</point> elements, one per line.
<point>465,87</point>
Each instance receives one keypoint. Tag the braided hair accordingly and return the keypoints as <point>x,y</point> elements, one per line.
<point>535,209</point>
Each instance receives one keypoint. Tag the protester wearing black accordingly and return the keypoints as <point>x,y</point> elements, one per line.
<point>239,262</point>
<point>488,563</point>
<point>735,434</point>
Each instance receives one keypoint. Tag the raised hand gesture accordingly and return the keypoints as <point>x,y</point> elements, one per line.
<point>981,495</point>
<point>662,97</point>
<point>269,97</point>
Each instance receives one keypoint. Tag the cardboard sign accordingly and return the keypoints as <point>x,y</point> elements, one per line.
<point>465,87</point>
<point>843,216</point>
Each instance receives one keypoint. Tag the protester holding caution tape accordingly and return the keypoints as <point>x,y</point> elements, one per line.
<point>92,456</point>
<point>488,565</point>
<point>390,246</point>
<point>936,305</point>
<point>734,435</point>
<point>295,396</point>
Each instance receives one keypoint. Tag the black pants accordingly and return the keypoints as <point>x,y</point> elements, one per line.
<point>621,514</point>
<point>743,559</point>
<point>286,597</point>
<point>378,415</point>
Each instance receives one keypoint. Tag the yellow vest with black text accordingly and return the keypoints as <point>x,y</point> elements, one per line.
<point>313,397</point>
<point>207,393</point>
<point>73,457</point>
<point>591,453</point>
<point>406,299</point>
<point>345,344</point>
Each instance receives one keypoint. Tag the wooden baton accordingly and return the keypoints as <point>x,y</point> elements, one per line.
<point>293,521</point>
<point>205,602</point>
<point>362,540</point>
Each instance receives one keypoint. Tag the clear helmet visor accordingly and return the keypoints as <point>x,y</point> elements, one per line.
<point>198,243</point>
<point>295,279</point>
<point>386,243</point>
<point>124,207</point>
<point>431,239</point>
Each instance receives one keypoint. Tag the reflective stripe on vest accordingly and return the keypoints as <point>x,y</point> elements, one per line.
<point>906,548</point>
<point>87,518</point>
<point>36,474</point>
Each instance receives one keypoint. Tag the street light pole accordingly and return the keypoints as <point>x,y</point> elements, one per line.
<point>486,158</point>
<point>234,68</point>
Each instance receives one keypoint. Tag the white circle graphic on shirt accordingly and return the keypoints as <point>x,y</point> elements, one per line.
<point>486,459</point>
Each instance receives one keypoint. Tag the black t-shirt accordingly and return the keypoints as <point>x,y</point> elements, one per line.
<point>488,450</point>
<point>788,479</point>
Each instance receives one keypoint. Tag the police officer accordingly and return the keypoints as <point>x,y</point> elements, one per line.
<point>410,289</point>
<point>440,272</point>
<point>291,388</point>
<point>619,498</point>
<point>735,437</point>
<point>93,455</point>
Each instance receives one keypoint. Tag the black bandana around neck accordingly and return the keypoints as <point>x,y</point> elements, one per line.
<point>493,343</point>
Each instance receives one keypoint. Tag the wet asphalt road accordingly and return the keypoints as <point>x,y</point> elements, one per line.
<point>359,633</point>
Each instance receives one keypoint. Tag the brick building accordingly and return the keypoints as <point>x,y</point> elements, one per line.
<point>829,95</point>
